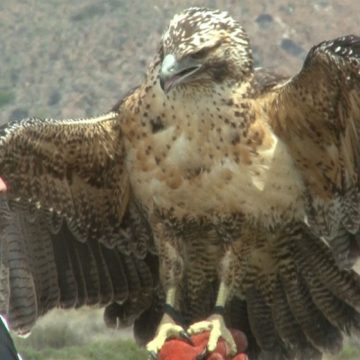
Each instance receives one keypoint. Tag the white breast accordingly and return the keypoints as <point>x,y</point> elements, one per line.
<point>264,189</point>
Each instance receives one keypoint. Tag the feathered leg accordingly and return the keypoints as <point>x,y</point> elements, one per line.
<point>171,271</point>
<point>168,326</point>
<point>215,323</point>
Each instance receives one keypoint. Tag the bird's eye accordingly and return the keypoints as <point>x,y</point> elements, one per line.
<point>201,53</point>
<point>205,51</point>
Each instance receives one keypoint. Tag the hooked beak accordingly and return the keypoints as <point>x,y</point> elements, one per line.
<point>173,72</point>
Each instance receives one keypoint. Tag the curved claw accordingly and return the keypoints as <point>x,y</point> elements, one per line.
<point>166,330</point>
<point>185,336</point>
<point>217,327</point>
<point>203,354</point>
<point>152,355</point>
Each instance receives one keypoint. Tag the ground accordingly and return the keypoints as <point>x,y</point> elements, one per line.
<point>63,58</point>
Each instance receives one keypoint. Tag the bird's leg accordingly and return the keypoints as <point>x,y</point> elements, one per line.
<point>171,270</point>
<point>215,323</point>
<point>169,325</point>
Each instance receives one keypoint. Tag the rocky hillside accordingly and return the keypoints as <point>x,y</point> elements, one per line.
<point>64,58</point>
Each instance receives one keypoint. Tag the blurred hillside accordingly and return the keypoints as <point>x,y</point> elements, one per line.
<point>77,335</point>
<point>65,58</point>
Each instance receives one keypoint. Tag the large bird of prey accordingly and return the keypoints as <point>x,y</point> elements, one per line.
<point>214,194</point>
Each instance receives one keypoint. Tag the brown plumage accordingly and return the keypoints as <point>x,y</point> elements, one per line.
<point>210,184</point>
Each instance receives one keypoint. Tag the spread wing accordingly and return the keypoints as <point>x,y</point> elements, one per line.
<point>74,168</point>
<point>317,114</point>
<point>70,231</point>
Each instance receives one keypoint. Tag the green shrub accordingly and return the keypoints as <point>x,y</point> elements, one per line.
<point>109,350</point>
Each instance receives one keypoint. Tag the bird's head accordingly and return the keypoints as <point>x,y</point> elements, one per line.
<point>203,47</point>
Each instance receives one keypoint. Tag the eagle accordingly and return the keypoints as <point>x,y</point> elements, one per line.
<point>215,195</point>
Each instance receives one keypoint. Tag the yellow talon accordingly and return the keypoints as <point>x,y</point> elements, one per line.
<point>167,328</point>
<point>216,325</point>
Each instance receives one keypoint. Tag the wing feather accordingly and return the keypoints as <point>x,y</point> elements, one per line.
<point>72,167</point>
<point>70,232</point>
<point>314,324</point>
<point>65,271</point>
<point>299,301</point>
<point>262,325</point>
<point>288,327</point>
<point>317,114</point>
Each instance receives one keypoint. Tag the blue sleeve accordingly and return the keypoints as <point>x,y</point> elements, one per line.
<point>7,347</point>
